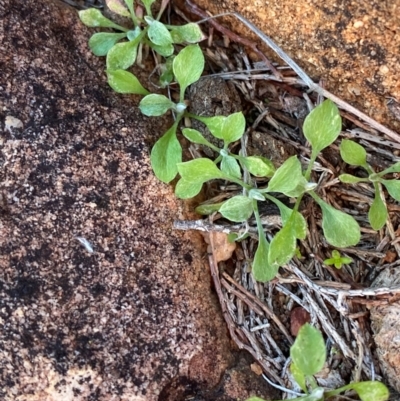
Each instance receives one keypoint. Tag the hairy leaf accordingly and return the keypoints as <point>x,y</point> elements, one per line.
<point>340,229</point>
<point>165,156</point>
<point>122,55</point>
<point>377,214</point>
<point>158,32</point>
<point>233,128</point>
<point>125,82</point>
<point>393,187</point>
<point>238,209</point>
<point>188,66</point>
<point>322,126</point>
<point>187,189</point>
<point>93,18</point>
<point>118,7</point>
<point>283,246</point>
<point>287,177</point>
<point>189,33</point>
<point>353,153</point>
<point>230,166</point>
<point>199,170</point>
<point>308,352</point>
<point>258,166</point>
<point>100,43</point>
<point>155,105</point>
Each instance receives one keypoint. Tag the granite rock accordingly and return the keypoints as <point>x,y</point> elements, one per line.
<point>353,46</point>
<point>100,299</point>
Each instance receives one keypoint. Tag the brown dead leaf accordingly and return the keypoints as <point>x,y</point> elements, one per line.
<point>256,368</point>
<point>222,248</point>
<point>298,317</point>
<point>390,257</point>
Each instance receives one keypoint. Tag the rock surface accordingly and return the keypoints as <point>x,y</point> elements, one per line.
<point>352,45</point>
<point>385,322</point>
<point>137,314</point>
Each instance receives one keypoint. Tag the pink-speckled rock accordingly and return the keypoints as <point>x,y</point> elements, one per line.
<point>122,322</point>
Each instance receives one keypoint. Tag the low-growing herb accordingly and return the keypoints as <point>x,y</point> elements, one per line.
<point>308,355</point>
<point>355,155</point>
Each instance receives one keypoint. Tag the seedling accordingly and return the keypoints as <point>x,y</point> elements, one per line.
<point>337,260</point>
<point>321,127</point>
<point>124,48</point>
<point>354,154</point>
<point>308,355</point>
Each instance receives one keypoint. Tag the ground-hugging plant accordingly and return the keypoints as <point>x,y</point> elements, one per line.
<point>354,154</point>
<point>186,67</point>
<point>308,354</point>
<point>321,128</point>
<point>146,30</point>
<point>337,260</point>
<point>292,179</point>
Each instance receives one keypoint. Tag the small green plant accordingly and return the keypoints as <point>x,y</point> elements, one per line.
<point>124,48</point>
<point>337,260</point>
<point>354,154</point>
<point>186,67</point>
<point>321,127</point>
<point>308,355</point>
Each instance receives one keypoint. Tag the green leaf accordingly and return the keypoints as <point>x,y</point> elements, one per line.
<point>261,269</point>
<point>337,260</point>
<point>189,33</point>
<point>230,166</point>
<point>155,105</point>
<point>308,352</point>
<point>188,66</point>
<point>392,169</point>
<point>287,177</point>
<point>147,4</point>
<point>351,179</point>
<point>255,193</point>
<point>340,229</point>
<point>377,214</point>
<point>122,55</point>
<point>129,4</point>
<point>353,153</point>
<point>165,51</point>
<point>238,209</point>
<point>93,18</point>
<point>299,223</point>
<point>187,189</point>
<point>233,128</point>
<point>118,7</point>
<point>283,246</point>
<point>195,136</point>
<point>158,32</point>
<point>134,33</point>
<point>370,390</point>
<point>302,187</point>
<point>208,209</point>
<point>214,124</point>
<point>393,187</point>
<point>258,166</point>
<point>322,126</point>
<point>199,170</point>
<point>298,376</point>
<point>165,156</point>
<point>101,43</point>
<point>124,82</point>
